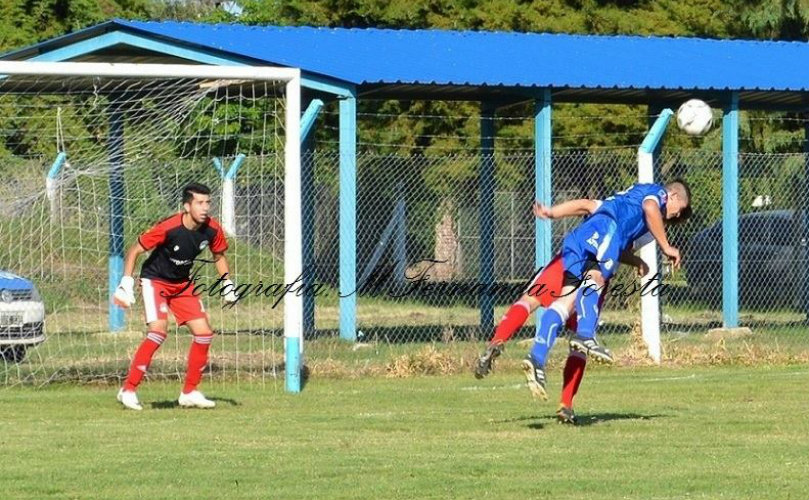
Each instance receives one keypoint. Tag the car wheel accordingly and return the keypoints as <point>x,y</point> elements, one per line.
<point>12,353</point>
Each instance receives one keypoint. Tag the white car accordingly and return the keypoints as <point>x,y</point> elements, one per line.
<point>22,316</point>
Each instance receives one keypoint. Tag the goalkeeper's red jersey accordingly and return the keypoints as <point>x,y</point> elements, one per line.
<point>174,247</point>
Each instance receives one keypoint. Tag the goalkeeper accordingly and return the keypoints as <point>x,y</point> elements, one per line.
<point>175,243</point>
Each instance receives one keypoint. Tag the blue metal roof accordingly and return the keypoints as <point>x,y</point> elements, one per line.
<point>364,56</point>
<point>487,61</point>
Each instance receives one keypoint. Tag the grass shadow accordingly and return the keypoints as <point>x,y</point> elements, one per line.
<point>164,405</point>
<point>537,421</point>
<point>172,403</point>
<point>228,401</point>
<point>518,419</point>
<point>600,418</point>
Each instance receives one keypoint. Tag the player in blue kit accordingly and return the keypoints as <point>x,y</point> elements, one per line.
<point>591,254</point>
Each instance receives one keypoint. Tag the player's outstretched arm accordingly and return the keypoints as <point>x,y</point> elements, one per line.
<point>124,295</point>
<point>654,221</point>
<point>223,268</point>
<point>571,208</point>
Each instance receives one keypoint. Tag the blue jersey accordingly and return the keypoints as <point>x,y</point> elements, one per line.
<point>626,209</point>
<point>616,224</point>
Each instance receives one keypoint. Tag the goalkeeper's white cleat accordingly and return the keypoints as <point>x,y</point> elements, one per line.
<point>195,399</point>
<point>129,399</point>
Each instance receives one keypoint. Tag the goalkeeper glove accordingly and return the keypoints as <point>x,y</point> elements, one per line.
<point>230,295</point>
<point>125,294</point>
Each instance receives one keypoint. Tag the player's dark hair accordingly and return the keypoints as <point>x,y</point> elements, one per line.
<point>686,212</point>
<point>686,188</point>
<point>194,188</point>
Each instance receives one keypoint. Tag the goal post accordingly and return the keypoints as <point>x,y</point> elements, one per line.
<point>230,119</point>
<point>650,303</point>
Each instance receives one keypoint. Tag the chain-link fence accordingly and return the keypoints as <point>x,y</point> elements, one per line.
<point>425,242</point>
<point>426,211</point>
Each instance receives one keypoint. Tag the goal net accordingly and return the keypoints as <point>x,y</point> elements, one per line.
<point>93,155</point>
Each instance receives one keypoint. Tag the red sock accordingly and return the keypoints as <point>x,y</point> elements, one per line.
<point>197,360</point>
<point>142,359</point>
<point>512,321</point>
<point>573,373</point>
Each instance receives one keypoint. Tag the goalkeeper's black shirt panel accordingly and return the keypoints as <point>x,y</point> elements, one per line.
<point>174,247</point>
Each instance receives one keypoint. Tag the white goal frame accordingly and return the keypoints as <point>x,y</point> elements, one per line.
<point>293,264</point>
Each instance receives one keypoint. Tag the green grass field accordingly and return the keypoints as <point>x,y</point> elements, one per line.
<point>648,433</point>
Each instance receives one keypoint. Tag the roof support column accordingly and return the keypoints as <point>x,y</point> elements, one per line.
<point>543,230</point>
<point>730,212</point>
<point>486,217</point>
<point>308,199</point>
<point>348,217</point>
<point>115,152</point>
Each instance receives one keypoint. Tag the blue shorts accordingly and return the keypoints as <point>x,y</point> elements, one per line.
<point>594,240</point>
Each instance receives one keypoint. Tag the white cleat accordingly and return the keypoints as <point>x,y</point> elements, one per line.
<point>129,399</point>
<point>195,399</point>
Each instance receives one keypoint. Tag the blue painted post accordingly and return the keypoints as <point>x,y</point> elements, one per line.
<point>217,164</point>
<point>56,167</point>
<point>730,213</point>
<point>51,184</point>
<point>292,356</point>
<point>234,167</point>
<point>309,119</point>
<point>115,149</point>
<point>486,215</point>
<point>229,193</point>
<point>348,218</point>
<point>543,179</point>
<point>308,125</point>
<point>654,111</point>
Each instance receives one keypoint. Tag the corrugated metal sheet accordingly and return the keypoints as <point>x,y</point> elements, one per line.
<point>433,57</point>
<point>469,64</point>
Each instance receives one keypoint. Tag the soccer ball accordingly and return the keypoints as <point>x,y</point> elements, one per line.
<point>694,117</point>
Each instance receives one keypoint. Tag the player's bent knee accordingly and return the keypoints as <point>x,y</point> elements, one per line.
<point>594,278</point>
<point>567,299</point>
<point>561,309</point>
<point>532,302</point>
<point>198,326</point>
<point>158,326</point>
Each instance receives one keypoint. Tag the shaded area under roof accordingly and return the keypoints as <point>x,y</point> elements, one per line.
<point>473,65</point>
